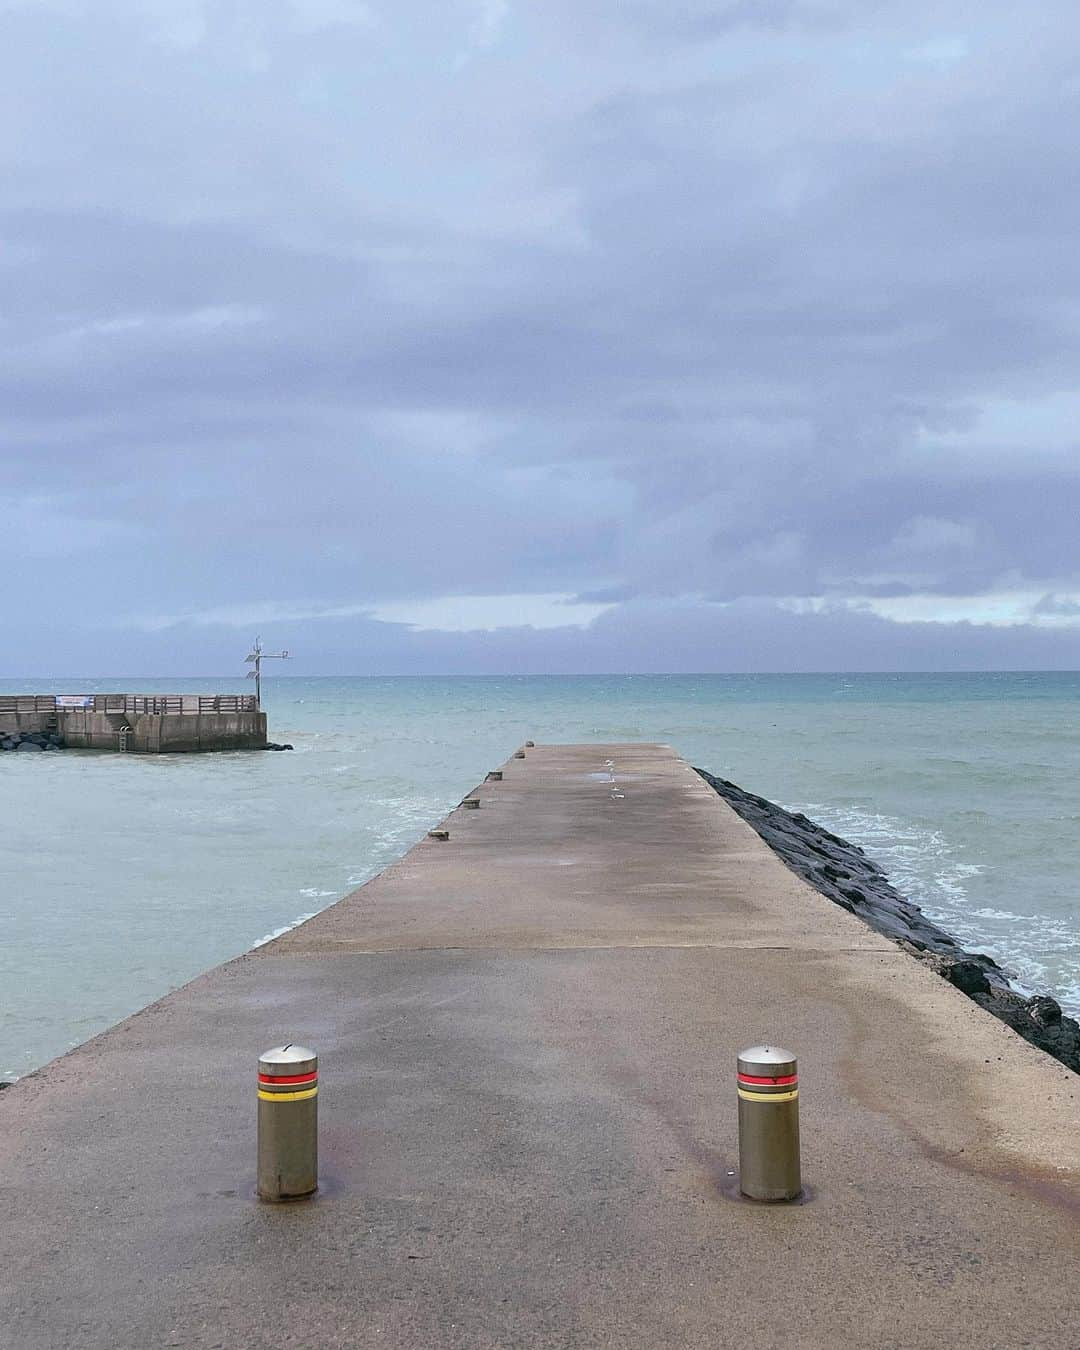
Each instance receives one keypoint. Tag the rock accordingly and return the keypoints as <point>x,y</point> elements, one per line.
<point>273,745</point>
<point>31,740</point>
<point>1029,1018</point>
<point>1045,1010</point>
<point>968,976</point>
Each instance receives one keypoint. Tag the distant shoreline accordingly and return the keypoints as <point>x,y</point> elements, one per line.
<point>842,872</point>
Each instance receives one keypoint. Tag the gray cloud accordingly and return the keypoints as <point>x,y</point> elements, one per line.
<point>330,304</point>
<point>641,636</point>
<point>1057,608</point>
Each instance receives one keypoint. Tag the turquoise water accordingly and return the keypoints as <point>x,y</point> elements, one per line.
<point>125,876</point>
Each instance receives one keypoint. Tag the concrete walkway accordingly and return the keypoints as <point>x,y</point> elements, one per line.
<point>528,1037</point>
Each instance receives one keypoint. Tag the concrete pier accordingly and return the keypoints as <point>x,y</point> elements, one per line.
<point>527,1036</point>
<point>152,724</point>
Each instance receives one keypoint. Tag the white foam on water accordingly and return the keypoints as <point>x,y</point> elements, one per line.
<point>285,928</point>
<point>1034,949</point>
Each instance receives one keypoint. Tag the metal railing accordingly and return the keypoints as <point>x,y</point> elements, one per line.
<point>154,704</point>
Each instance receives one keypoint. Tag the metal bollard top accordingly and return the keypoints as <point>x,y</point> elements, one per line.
<point>767,1061</point>
<point>288,1061</point>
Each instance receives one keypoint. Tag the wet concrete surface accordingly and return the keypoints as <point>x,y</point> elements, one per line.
<point>527,1036</point>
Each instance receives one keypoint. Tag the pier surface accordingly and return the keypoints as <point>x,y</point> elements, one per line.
<point>528,1036</point>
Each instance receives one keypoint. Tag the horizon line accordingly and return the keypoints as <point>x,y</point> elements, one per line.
<point>568,675</point>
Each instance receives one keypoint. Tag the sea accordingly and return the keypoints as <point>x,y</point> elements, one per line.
<point>123,876</point>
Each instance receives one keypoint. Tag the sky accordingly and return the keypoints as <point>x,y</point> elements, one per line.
<point>566,336</point>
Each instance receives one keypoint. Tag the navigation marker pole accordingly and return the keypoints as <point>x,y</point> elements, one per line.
<point>258,656</point>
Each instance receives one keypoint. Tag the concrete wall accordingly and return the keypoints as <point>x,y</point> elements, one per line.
<point>173,733</point>
<point>212,731</point>
<point>23,721</point>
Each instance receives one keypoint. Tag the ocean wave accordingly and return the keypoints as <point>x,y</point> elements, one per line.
<point>1040,952</point>
<point>285,928</point>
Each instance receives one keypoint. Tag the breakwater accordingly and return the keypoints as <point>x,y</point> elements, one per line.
<point>527,1034</point>
<point>134,723</point>
<point>841,871</point>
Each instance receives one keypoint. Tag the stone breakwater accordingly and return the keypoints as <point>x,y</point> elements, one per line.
<point>32,741</point>
<point>841,871</point>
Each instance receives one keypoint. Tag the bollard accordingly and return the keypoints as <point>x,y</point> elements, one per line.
<point>288,1123</point>
<point>471,803</point>
<point>438,834</point>
<point>529,745</point>
<point>495,776</point>
<point>519,754</point>
<point>768,1084</point>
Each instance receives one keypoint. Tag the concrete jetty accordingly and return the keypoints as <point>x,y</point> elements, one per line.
<point>527,1035</point>
<point>152,724</point>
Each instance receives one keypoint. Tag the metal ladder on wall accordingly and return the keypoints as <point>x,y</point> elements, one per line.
<point>123,733</point>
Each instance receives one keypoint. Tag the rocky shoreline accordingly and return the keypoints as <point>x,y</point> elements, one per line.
<point>841,871</point>
<point>33,741</point>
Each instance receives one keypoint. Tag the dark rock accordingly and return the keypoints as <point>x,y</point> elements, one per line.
<point>831,865</point>
<point>1028,1017</point>
<point>273,745</point>
<point>29,745</point>
<point>968,976</point>
<point>1045,1010</point>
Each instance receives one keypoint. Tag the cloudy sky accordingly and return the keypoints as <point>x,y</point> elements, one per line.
<point>539,335</point>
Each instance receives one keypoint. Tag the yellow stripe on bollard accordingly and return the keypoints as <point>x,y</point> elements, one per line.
<point>767,1096</point>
